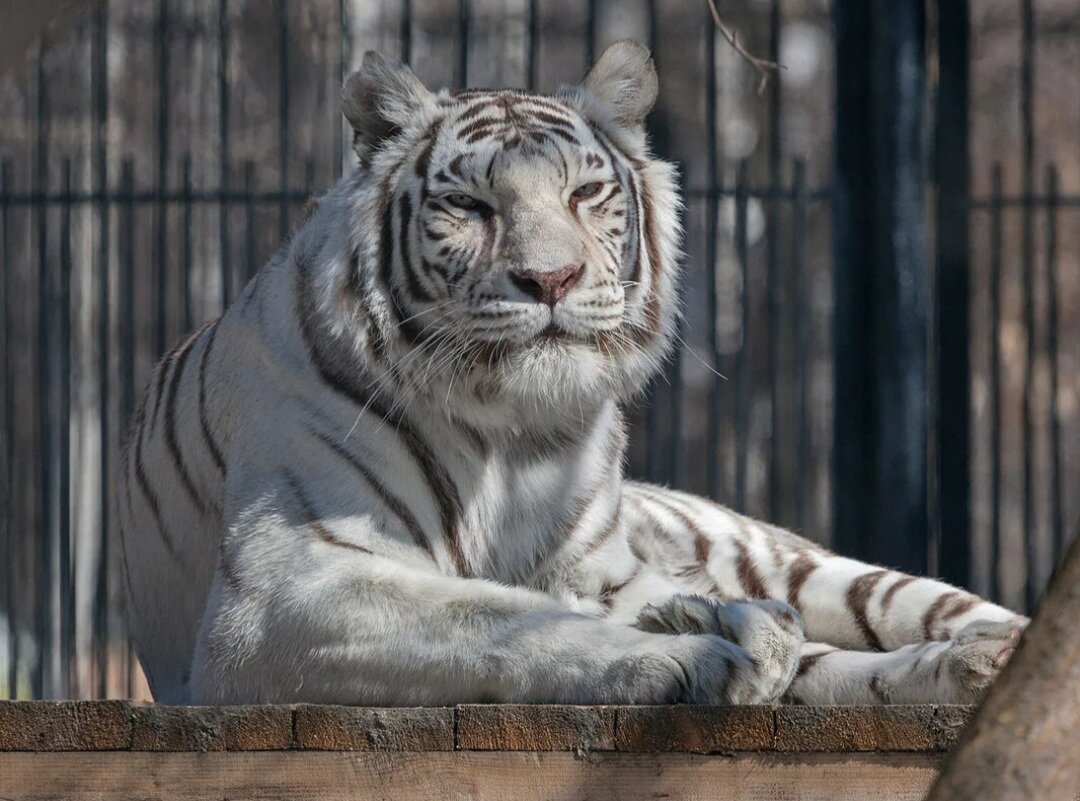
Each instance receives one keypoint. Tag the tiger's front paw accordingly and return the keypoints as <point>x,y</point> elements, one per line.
<point>770,632</point>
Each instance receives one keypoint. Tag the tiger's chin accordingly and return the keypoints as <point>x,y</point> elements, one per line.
<point>556,371</point>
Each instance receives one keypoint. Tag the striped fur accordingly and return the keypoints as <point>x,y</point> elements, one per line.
<point>391,473</point>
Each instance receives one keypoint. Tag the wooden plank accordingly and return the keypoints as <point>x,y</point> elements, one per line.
<point>475,776</point>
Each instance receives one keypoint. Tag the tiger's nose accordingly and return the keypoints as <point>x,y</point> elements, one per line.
<point>548,286</point>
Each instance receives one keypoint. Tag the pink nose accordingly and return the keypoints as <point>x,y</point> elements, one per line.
<point>548,286</point>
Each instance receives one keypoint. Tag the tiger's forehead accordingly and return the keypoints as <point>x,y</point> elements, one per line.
<point>512,119</point>
<point>488,137</point>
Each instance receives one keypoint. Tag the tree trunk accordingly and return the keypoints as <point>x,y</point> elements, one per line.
<point>1024,742</point>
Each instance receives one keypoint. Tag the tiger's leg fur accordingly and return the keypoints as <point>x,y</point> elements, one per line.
<point>873,635</point>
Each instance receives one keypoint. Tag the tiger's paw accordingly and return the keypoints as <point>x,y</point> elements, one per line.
<point>976,655</point>
<point>770,632</point>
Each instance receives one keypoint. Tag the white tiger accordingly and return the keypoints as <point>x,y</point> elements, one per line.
<point>391,472</point>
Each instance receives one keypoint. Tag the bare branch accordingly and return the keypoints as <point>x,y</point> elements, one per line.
<point>764,67</point>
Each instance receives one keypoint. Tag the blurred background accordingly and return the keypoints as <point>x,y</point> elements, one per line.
<point>882,261</point>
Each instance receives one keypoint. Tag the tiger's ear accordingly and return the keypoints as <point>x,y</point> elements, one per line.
<point>624,78</point>
<point>380,99</point>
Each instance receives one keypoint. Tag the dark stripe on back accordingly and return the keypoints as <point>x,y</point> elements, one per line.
<point>388,499</point>
<point>172,443</point>
<point>858,597</point>
<point>895,587</point>
<point>204,420</point>
<point>147,491</point>
<point>749,578</point>
<point>349,387</point>
<point>798,573</point>
<point>311,519</point>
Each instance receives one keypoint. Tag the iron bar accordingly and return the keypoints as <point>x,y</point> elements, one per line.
<point>951,526</point>
<point>46,523</point>
<point>1053,279</point>
<point>803,333</point>
<point>995,385</point>
<point>743,391</point>
<point>713,475</point>
<point>223,152</point>
<point>161,184</point>
<point>10,563</point>
<point>62,371</point>
<point>283,117</point>
<point>186,244</point>
<point>99,147</point>
<point>772,265</point>
<point>1032,582</point>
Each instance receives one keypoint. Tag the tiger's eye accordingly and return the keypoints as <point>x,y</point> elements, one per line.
<point>464,202</point>
<point>586,191</point>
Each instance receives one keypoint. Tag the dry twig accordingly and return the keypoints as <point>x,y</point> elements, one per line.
<point>764,67</point>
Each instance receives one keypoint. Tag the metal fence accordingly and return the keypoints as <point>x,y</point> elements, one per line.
<point>861,386</point>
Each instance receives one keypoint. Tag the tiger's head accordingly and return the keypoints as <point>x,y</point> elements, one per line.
<point>522,245</point>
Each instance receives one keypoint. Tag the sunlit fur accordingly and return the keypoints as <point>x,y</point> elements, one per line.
<point>391,473</point>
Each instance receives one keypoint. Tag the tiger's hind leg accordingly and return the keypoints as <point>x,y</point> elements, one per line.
<point>954,671</point>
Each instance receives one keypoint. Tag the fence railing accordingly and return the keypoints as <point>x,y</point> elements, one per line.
<point>115,242</point>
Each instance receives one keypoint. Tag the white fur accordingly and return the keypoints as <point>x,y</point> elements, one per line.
<point>319,564</point>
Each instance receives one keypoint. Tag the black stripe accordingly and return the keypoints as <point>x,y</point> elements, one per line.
<point>551,119</point>
<point>347,385</point>
<point>159,386</point>
<point>624,173</point>
<point>416,289</point>
<point>388,498</point>
<point>148,493</point>
<point>171,441</point>
<point>313,521</point>
<point>204,421</point>
<point>566,135</point>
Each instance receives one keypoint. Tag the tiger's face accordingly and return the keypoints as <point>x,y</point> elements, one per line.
<point>526,242</point>
<point>524,227</point>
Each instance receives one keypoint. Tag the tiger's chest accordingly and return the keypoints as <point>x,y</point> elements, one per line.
<point>519,514</point>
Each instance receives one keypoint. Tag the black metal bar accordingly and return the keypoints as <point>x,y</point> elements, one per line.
<point>461,73</point>
<point>100,81</point>
<point>713,475</point>
<point>880,284</point>
<point>405,31</point>
<point>45,527</point>
<point>273,196</point>
<point>1053,281</point>
<point>344,60</point>
<point>532,56</point>
<point>249,221</point>
<point>309,179</point>
<point>151,197</point>
<point>162,42</point>
<point>952,364</point>
<point>772,265</point>
<point>68,665</point>
<point>1035,201</point>
<point>10,595</point>
<point>742,369</point>
<point>590,33</point>
<point>1032,582</point>
<point>801,294</point>
<point>186,245</point>
<point>126,330</point>
<point>995,385</point>
<point>283,116</point>
<point>126,287</point>
<point>223,151</point>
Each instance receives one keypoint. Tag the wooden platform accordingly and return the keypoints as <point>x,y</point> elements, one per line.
<point>116,750</point>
